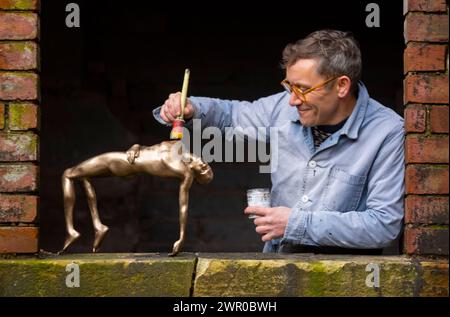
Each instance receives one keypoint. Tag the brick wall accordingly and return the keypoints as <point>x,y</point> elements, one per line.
<point>19,95</point>
<point>426,121</point>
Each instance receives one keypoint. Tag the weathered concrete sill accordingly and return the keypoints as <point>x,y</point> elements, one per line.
<point>224,274</point>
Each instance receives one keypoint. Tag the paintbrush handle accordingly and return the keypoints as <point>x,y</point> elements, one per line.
<point>184,91</point>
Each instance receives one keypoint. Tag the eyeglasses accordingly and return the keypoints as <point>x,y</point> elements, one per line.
<point>302,94</point>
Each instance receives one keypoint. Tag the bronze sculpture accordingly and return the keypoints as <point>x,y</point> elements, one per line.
<point>166,159</point>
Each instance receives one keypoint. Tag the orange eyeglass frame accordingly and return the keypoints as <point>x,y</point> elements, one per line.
<point>302,94</point>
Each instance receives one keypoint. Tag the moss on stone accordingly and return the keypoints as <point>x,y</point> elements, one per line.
<point>16,113</point>
<point>22,116</point>
<point>32,146</point>
<point>304,277</point>
<point>22,74</point>
<point>154,276</point>
<point>19,4</point>
<point>437,227</point>
<point>233,275</point>
<point>21,46</point>
<point>2,116</point>
<point>434,279</point>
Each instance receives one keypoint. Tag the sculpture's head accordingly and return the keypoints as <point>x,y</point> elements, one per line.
<point>202,171</point>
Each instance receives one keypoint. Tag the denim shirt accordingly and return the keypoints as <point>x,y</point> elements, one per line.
<point>348,192</point>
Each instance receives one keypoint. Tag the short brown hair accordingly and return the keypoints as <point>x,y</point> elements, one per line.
<point>338,54</point>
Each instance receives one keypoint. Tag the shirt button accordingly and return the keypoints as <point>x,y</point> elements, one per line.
<point>312,164</point>
<point>305,198</point>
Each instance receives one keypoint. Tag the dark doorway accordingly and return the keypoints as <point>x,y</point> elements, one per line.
<point>101,81</point>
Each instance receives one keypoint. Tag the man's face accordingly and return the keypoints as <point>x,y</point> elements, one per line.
<point>321,106</point>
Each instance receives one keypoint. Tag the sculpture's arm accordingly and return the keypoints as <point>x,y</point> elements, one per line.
<point>133,153</point>
<point>185,185</point>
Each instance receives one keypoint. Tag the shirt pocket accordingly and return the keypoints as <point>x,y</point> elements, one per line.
<point>343,190</point>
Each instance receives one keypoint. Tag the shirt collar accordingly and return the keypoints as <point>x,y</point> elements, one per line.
<point>351,127</point>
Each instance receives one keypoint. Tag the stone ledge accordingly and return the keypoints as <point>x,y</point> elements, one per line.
<point>317,275</point>
<point>223,274</point>
<point>100,275</point>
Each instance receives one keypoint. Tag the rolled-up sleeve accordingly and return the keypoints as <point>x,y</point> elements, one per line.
<point>222,113</point>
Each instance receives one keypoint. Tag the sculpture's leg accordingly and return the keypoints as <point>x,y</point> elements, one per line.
<point>69,203</point>
<point>100,229</point>
<point>95,166</point>
<point>183,201</point>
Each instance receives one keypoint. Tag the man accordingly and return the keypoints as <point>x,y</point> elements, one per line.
<point>339,183</point>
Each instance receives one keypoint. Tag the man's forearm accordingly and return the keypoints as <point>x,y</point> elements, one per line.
<point>223,113</point>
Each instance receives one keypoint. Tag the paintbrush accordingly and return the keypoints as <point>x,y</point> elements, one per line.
<point>178,123</point>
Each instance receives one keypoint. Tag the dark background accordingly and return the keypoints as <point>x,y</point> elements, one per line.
<point>101,81</point>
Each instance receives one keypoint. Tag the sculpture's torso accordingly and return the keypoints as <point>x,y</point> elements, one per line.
<point>161,160</point>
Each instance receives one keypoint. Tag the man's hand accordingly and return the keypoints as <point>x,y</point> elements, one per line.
<point>271,222</point>
<point>172,108</point>
<point>132,153</point>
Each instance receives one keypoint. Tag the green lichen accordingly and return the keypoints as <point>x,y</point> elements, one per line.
<point>26,4</point>
<point>2,116</point>
<point>19,4</point>
<point>33,145</point>
<point>17,115</point>
<point>303,277</point>
<point>153,275</point>
<point>98,277</point>
<point>323,280</point>
<point>437,227</point>
<point>433,279</point>
<point>397,279</point>
<point>22,47</point>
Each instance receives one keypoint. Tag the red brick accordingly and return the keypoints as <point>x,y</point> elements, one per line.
<point>2,116</point>
<point>426,88</point>
<point>415,118</point>
<point>22,116</point>
<point>424,57</point>
<point>426,241</point>
<point>18,26</point>
<point>18,55</point>
<point>18,208</point>
<point>18,177</point>
<point>439,119</point>
<point>17,85</point>
<point>19,239</point>
<point>425,5</point>
<point>19,4</point>
<point>421,149</point>
<point>426,27</point>
<point>426,209</point>
<point>426,179</point>
<point>18,147</point>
